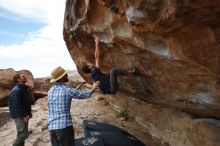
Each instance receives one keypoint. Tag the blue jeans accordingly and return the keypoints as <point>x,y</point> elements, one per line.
<point>62,137</point>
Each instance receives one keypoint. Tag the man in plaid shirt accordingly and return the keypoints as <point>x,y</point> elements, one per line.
<point>59,104</point>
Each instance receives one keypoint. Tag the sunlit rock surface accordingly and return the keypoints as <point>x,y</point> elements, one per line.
<point>41,87</point>
<point>174,44</point>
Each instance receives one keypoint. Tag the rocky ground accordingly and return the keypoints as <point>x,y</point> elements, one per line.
<point>95,108</point>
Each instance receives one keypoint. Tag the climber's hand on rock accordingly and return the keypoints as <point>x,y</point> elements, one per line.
<point>96,40</point>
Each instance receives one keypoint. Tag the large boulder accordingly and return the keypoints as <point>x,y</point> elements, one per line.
<point>175,46</point>
<point>7,83</point>
<point>41,87</point>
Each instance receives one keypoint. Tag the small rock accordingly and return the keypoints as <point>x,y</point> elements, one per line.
<point>44,127</point>
<point>123,118</point>
<point>98,98</point>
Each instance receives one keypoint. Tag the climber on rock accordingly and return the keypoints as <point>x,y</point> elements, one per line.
<point>108,84</point>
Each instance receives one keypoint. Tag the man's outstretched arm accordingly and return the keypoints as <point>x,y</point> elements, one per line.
<point>79,94</point>
<point>97,53</point>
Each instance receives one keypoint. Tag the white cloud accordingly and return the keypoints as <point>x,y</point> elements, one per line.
<point>44,49</point>
<point>27,8</point>
<point>40,54</point>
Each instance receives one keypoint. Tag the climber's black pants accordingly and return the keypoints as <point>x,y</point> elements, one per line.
<point>114,73</point>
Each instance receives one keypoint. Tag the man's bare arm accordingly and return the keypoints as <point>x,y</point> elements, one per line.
<point>95,86</point>
<point>97,53</point>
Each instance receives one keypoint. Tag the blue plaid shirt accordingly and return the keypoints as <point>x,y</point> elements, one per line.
<point>59,103</point>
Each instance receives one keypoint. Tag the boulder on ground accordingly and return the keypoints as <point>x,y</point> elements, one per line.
<point>7,83</point>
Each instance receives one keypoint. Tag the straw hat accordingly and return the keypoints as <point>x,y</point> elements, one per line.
<point>57,74</point>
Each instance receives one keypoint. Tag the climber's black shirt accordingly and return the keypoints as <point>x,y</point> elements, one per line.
<point>97,75</point>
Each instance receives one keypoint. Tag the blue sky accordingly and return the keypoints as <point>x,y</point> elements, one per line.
<point>31,36</point>
<point>14,28</point>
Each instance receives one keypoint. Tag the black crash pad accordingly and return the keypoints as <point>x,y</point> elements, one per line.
<point>92,125</point>
<point>114,138</point>
<point>89,141</point>
<point>110,135</point>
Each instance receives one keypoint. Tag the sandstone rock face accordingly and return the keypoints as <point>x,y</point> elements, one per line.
<point>6,83</point>
<point>41,87</point>
<point>174,44</point>
<point>170,126</point>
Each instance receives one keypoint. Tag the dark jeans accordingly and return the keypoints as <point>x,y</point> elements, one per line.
<point>114,73</point>
<point>62,137</point>
<point>22,132</point>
